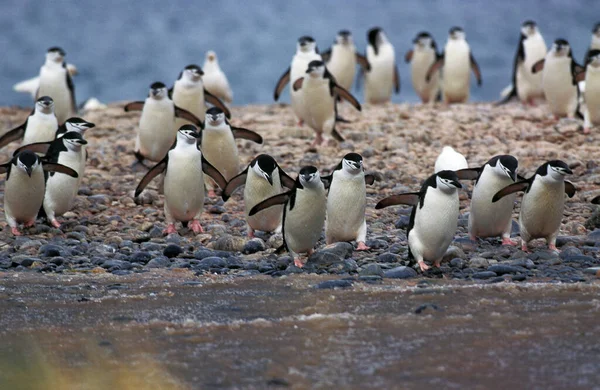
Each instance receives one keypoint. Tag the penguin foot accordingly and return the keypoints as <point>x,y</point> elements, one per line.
<point>508,241</point>
<point>318,140</point>
<point>55,223</point>
<point>196,227</point>
<point>586,130</point>
<point>524,248</point>
<point>362,246</point>
<point>29,223</point>
<point>298,263</point>
<point>424,267</point>
<point>170,229</point>
<point>15,231</point>
<point>553,247</point>
<point>250,232</point>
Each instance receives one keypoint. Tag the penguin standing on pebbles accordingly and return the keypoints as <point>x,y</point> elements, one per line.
<point>184,180</point>
<point>56,82</point>
<point>303,213</point>
<point>25,187</point>
<point>347,201</point>
<point>543,202</point>
<point>382,78</point>
<point>40,126</point>
<point>595,42</point>
<point>342,58</point>
<point>156,131</point>
<point>434,217</point>
<point>263,178</point>
<point>488,219</point>
<point>450,160</point>
<point>214,78</point>
<point>424,54</point>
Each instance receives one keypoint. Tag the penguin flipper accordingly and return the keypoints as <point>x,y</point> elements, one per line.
<point>214,173</point>
<point>468,173</point>
<point>327,180</point>
<point>13,135</point>
<point>326,55</point>
<point>151,174</point>
<point>596,200</point>
<point>347,96</point>
<point>286,180</point>
<point>239,132</point>
<point>298,84</point>
<point>337,136</point>
<point>281,83</point>
<point>570,189</point>
<point>188,116</point>
<point>215,101</point>
<point>475,68</point>
<point>234,184</point>
<point>71,87</point>
<point>363,62</point>
<point>37,147</point>
<point>396,80</point>
<point>6,167</point>
<point>269,202</point>
<point>538,66</point>
<point>434,67</point>
<point>56,167</point>
<point>510,189</point>
<point>409,198</point>
<point>134,106</point>
<point>370,179</point>
<point>408,56</point>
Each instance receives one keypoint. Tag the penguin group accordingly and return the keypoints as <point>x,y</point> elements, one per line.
<point>187,132</point>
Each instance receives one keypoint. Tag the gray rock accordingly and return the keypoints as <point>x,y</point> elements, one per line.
<point>578,259</point>
<point>340,249</point>
<point>140,257</point>
<point>116,264</point>
<point>292,269</point>
<point>523,262</point>
<point>519,278</point>
<point>254,245</point>
<point>50,250</point>
<point>401,272</point>
<point>230,243</point>
<point>212,262</point>
<point>501,269</point>
<point>388,257</point>
<point>275,241</point>
<point>155,232</point>
<point>457,263</point>
<point>478,262</point>
<point>465,244</point>
<point>569,251</point>
<point>376,244</point>
<point>172,250</point>
<point>371,269</point>
<point>484,275</point>
<point>453,252</point>
<point>402,222</point>
<point>159,262</point>
<point>150,246</point>
<point>330,284</point>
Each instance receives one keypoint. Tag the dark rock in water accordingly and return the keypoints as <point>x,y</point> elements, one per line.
<point>427,308</point>
<point>50,250</point>
<point>484,275</point>
<point>172,250</point>
<point>569,251</point>
<point>371,269</point>
<point>376,244</point>
<point>388,257</point>
<point>402,222</point>
<point>370,279</point>
<point>401,272</point>
<point>212,262</point>
<point>457,263</point>
<point>254,245</point>
<point>340,283</point>
<point>502,269</point>
<point>230,243</point>
<point>159,262</point>
<point>519,278</point>
<point>140,257</point>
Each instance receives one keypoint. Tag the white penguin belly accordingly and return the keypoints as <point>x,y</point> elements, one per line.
<point>219,149</point>
<point>488,219</point>
<point>53,83</point>
<point>345,209</point>
<point>379,81</point>
<point>184,186</point>
<point>457,67</point>
<point>190,99</point>
<point>40,128</point>
<point>62,189</point>
<point>298,69</point>
<point>420,64</point>
<point>304,224</point>
<point>560,92</point>
<point>257,190</point>
<point>23,195</point>
<point>529,85</point>
<point>592,95</point>
<point>156,130</point>
<point>542,210</point>
<point>343,66</point>
<point>216,83</point>
<point>319,112</point>
<point>435,225</point>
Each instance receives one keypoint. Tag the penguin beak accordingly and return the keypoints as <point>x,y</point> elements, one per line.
<point>307,177</point>
<point>195,134</point>
<point>567,171</point>
<point>513,175</point>
<point>89,125</point>
<point>28,170</point>
<point>269,178</point>
<point>82,142</point>
<point>456,184</point>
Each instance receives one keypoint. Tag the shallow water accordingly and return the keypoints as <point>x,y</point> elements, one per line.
<point>182,331</point>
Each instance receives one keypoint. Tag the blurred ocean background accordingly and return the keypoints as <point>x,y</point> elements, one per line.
<point>121,47</point>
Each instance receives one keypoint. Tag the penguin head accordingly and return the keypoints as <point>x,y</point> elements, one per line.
<point>447,181</point>
<point>158,91</point>
<point>594,58</point>
<point>352,163</point>
<point>529,28</point>
<point>211,56</point>
<point>507,166</point>
<point>309,176</point>
<point>344,37</point>
<point>561,48</point>
<point>214,116</point>
<point>316,69</point>
<point>188,134</point>
<point>264,166</point>
<point>306,44</point>
<point>45,104</point>
<point>557,170</point>
<point>423,40</point>
<point>56,54</point>
<point>27,161</point>
<point>194,72</point>
<point>78,125</point>
<point>376,37</point>
<point>73,140</point>
<point>596,30</point>
<point>457,33</point>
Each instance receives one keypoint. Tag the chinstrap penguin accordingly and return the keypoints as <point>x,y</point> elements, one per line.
<point>215,80</point>
<point>40,126</point>
<point>56,82</point>
<point>383,78</point>
<point>424,54</point>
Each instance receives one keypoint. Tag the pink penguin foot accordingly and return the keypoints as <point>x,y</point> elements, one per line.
<point>362,246</point>
<point>196,227</point>
<point>29,223</point>
<point>424,267</point>
<point>524,248</point>
<point>55,223</point>
<point>586,130</point>
<point>250,232</point>
<point>298,263</point>
<point>508,241</point>
<point>15,231</point>
<point>553,247</point>
<point>170,229</point>
<point>212,194</point>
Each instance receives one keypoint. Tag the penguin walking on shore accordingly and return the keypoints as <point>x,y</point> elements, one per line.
<point>262,179</point>
<point>306,51</point>
<point>527,86</point>
<point>450,160</point>
<point>218,145</point>
<point>215,80</point>
<point>40,126</point>
<point>382,78</point>
<point>320,92</point>
<point>424,54</point>
<point>434,217</point>
<point>595,42</point>
<point>347,201</point>
<point>184,166</point>
<point>189,92</point>
<point>56,82</point>
<point>591,95</point>
<point>342,58</point>
<point>487,218</point>
<point>559,72</point>
<point>456,62</point>
<point>543,202</point>
<point>32,85</point>
<point>304,212</point>
<point>25,187</point>
<point>156,131</point>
